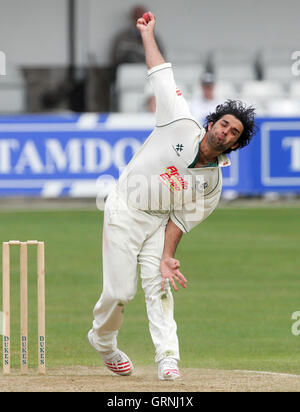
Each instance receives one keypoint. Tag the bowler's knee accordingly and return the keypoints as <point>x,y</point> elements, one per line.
<point>123,297</point>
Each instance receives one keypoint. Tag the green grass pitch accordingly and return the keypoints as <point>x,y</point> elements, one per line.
<point>243,271</point>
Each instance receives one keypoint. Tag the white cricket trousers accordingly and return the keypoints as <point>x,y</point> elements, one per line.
<point>130,238</point>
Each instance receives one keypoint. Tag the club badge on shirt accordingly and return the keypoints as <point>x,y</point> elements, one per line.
<point>200,187</point>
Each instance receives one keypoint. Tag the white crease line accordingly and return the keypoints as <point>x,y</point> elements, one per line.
<point>269,373</point>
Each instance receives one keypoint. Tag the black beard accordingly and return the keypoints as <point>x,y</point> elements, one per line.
<point>215,143</point>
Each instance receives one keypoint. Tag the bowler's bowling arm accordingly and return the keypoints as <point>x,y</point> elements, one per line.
<point>152,53</point>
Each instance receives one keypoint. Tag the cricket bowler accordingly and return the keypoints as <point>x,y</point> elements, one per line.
<point>171,185</point>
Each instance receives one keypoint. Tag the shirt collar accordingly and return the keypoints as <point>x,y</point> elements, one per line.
<point>223,160</point>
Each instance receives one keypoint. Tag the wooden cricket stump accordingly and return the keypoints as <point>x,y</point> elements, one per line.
<point>24,305</point>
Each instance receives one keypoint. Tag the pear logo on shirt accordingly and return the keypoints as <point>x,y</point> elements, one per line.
<point>200,187</point>
<point>178,148</point>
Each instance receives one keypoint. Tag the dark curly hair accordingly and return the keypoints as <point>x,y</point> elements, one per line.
<point>245,114</point>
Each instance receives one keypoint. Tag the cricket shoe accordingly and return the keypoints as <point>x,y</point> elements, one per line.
<point>168,370</point>
<point>118,362</point>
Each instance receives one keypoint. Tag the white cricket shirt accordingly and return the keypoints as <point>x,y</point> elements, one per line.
<point>161,178</point>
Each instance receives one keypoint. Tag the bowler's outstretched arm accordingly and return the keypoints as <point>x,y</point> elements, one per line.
<point>152,52</point>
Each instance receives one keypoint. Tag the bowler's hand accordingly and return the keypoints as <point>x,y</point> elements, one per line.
<point>169,268</point>
<point>143,26</point>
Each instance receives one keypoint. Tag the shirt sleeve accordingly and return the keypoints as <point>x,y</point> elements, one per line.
<point>170,104</point>
<point>195,213</point>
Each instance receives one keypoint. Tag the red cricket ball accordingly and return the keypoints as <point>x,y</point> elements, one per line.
<point>147,17</point>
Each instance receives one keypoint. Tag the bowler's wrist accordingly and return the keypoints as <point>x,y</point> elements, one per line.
<point>166,257</point>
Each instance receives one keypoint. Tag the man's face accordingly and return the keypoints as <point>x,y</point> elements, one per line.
<point>224,134</point>
<point>208,91</point>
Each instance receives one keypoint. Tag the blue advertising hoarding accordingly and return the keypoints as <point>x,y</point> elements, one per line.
<point>68,155</point>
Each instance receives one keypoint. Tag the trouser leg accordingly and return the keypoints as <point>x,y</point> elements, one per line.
<point>159,304</point>
<point>119,256</point>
